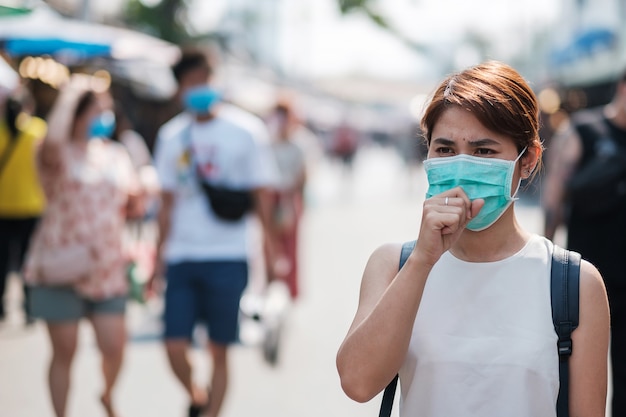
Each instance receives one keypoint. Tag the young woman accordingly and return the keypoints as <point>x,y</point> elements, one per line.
<point>90,185</point>
<point>467,321</point>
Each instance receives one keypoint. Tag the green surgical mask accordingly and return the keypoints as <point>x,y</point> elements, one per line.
<point>486,178</point>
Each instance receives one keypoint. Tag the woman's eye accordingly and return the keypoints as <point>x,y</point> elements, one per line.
<point>444,150</point>
<point>484,151</point>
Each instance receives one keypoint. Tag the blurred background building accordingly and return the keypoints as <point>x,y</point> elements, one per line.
<point>371,62</point>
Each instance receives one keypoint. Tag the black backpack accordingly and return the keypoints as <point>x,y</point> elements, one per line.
<point>564,289</point>
<point>598,186</point>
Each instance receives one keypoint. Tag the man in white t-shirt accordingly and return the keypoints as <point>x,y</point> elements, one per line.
<point>204,254</point>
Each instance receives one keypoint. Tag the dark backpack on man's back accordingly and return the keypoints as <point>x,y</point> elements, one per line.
<point>598,186</point>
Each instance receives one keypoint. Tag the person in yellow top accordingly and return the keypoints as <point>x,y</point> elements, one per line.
<point>22,200</point>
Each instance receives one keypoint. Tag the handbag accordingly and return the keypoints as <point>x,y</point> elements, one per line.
<point>227,203</point>
<point>564,298</point>
<point>64,265</point>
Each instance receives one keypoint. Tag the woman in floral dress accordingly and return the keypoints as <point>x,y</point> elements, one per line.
<point>91,186</point>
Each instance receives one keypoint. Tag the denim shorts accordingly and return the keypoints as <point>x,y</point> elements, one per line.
<point>204,291</point>
<point>61,304</point>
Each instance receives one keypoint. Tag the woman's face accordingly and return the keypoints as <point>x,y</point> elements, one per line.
<point>196,77</point>
<point>102,103</point>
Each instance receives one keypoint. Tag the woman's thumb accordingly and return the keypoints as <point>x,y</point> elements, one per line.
<point>476,206</point>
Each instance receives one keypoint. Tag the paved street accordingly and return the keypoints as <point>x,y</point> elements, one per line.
<point>348,217</point>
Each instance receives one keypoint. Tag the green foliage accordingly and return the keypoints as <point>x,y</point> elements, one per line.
<point>364,6</point>
<point>166,20</point>
<point>347,6</point>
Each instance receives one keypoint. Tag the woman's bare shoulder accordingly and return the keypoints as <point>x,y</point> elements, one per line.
<point>387,253</point>
<point>592,288</point>
<point>594,305</point>
<point>384,263</point>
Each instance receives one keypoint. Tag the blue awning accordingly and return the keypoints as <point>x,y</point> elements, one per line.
<point>52,46</point>
<point>584,45</point>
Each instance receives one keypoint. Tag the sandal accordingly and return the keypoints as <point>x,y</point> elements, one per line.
<point>196,410</point>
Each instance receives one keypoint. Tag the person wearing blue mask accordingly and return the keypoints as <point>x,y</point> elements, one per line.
<point>76,264</point>
<point>466,323</point>
<point>102,125</point>
<point>215,170</point>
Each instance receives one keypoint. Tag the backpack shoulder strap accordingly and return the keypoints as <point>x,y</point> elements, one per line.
<point>407,248</point>
<point>390,390</point>
<point>564,291</point>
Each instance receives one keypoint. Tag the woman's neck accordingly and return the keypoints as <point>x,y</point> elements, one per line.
<point>78,142</point>
<point>503,239</point>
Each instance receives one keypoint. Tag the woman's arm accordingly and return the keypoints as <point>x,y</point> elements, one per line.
<point>377,342</point>
<point>379,336</point>
<point>588,363</point>
<point>60,122</point>
<point>49,156</point>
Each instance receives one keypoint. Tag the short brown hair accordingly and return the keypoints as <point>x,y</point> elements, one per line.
<point>496,95</point>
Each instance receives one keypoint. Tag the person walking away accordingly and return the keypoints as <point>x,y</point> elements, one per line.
<point>215,168</point>
<point>76,264</point>
<point>288,198</point>
<point>585,190</point>
<point>467,321</point>
<point>345,143</point>
<point>22,200</point>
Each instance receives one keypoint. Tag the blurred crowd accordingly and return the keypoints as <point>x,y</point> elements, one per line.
<point>94,213</point>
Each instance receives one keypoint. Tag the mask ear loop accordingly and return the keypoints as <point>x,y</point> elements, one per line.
<point>527,172</point>
<point>514,197</point>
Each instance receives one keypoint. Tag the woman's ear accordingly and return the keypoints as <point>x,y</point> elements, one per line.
<point>529,161</point>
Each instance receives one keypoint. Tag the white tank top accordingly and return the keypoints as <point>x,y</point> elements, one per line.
<point>483,343</point>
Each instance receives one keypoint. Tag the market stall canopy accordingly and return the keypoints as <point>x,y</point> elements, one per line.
<point>139,60</point>
<point>44,31</point>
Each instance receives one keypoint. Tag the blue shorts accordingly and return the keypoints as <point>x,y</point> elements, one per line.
<point>204,291</point>
<point>56,304</point>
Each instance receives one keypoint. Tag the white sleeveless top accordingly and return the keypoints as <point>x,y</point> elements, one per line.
<point>483,343</point>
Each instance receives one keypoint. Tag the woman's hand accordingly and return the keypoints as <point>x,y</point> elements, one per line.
<point>443,220</point>
<point>135,208</point>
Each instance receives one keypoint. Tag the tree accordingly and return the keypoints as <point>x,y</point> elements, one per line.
<point>166,20</point>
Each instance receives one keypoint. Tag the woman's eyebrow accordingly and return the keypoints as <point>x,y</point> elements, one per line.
<point>482,142</point>
<point>444,142</point>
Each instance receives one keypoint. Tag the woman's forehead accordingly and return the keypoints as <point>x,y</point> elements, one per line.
<point>457,123</point>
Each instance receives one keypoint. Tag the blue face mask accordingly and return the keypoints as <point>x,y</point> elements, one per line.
<point>201,99</point>
<point>103,125</point>
<point>486,178</point>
